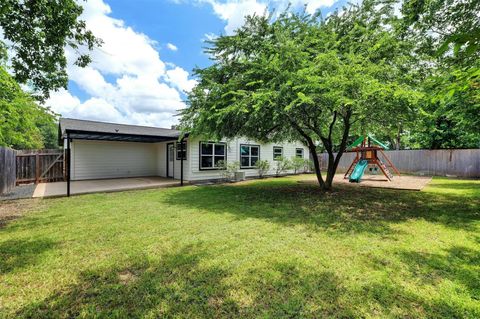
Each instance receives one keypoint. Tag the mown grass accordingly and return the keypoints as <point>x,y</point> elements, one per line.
<point>272,248</point>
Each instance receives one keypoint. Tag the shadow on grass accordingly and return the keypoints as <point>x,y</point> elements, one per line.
<point>394,301</point>
<point>185,285</point>
<point>37,221</point>
<point>176,286</point>
<point>347,209</point>
<point>458,264</point>
<point>17,254</point>
<point>181,286</point>
<point>454,273</point>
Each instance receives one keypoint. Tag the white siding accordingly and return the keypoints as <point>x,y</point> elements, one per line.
<point>161,149</point>
<point>233,154</point>
<point>106,159</point>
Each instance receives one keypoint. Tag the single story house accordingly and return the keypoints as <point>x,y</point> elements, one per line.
<point>98,150</point>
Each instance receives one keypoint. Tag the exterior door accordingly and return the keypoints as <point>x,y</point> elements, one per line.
<point>170,159</point>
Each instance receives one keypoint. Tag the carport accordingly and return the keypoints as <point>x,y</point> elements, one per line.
<point>71,130</point>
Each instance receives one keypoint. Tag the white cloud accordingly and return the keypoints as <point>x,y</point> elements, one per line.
<point>90,80</point>
<point>63,102</point>
<point>93,109</point>
<point>210,36</point>
<point>172,47</point>
<point>143,94</point>
<point>139,89</point>
<point>313,5</point>
<point>97,109</point>
<point>124,50</point>
<point>179,78</point>
<point>233,12</point>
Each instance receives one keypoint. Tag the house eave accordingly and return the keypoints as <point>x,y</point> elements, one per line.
<point>117,137</point>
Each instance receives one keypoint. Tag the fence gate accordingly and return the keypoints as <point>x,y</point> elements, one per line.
<point>40,166</point>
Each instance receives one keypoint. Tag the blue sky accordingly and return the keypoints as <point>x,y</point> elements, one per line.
<point>142,70</point>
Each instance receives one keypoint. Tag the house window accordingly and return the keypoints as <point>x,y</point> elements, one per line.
<point>181,150</point>
<point>249,155</point>
<point>277,152</point>
<point>211,153</point>
<point>299,152</point>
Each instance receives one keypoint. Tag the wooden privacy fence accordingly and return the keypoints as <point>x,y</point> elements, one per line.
<point>456,162</point>
<point>39,166</point>
<point>7,169</point>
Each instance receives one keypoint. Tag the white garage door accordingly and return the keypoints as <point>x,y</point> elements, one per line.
<point>103,159</point>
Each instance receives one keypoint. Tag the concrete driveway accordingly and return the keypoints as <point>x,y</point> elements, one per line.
<point>102,185</point>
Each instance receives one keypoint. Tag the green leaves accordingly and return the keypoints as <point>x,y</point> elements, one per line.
<point>39,32</point>
<point>300,77</point>
<point>299,68</point>
<point>24,124</point>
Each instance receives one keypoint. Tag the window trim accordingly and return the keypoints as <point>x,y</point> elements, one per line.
<point>213,168</point>
<point>273,151</point>
<point>178,150</point>
<point>303,152</point>
<point>249,156</point>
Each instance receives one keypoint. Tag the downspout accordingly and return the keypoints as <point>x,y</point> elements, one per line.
<point>68,164</point>
<point>183,151</point>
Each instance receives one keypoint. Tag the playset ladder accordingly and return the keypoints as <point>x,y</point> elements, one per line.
<point>384,169</point>
<point>390,164</point>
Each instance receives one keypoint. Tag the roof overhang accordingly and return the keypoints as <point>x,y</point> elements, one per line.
<point>118,137</point>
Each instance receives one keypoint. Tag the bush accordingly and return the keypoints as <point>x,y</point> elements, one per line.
<point>281,165</point>
<point>228,169</point>
<point>263,167</point>
<point>298,164</point>
<point>308,166</point>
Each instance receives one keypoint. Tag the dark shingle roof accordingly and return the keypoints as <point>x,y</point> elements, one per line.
<point>112,128</point>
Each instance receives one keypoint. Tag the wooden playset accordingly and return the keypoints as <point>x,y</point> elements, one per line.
<point>368,150</point>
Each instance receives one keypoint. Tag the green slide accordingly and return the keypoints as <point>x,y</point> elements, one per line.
<point>358,171</point>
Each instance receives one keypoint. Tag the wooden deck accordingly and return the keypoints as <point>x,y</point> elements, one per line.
<point>57,189</point>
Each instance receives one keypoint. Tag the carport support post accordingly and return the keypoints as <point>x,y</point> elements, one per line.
<point>68,165</point>
<point>183,151</point>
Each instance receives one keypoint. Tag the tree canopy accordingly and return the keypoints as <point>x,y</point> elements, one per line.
<point>303,77</point>
<point>24,124</point>
<point>449,32</point>
<point>38,33</point>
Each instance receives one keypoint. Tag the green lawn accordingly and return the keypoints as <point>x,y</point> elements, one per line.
<point>271,249</point>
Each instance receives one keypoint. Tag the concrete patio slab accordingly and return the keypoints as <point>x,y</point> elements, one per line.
<point>102,186</point>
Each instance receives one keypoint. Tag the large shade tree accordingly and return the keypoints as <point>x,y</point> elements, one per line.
<point>301,77</point>
<point>449,32</point>
<point>23,123</point>
<point>37,33</point>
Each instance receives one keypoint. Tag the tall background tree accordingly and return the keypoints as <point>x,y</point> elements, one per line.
<point>449,32</point>
<point>38,31</point>
<point>36,34</point>
<point>302,77</point>
<point>23,123</point>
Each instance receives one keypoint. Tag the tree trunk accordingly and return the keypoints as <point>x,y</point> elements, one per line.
<point>316,163</point>
<point>313,152</point>
<point>333,161</point>
<point>330,170</point>
<point>397,142</point>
